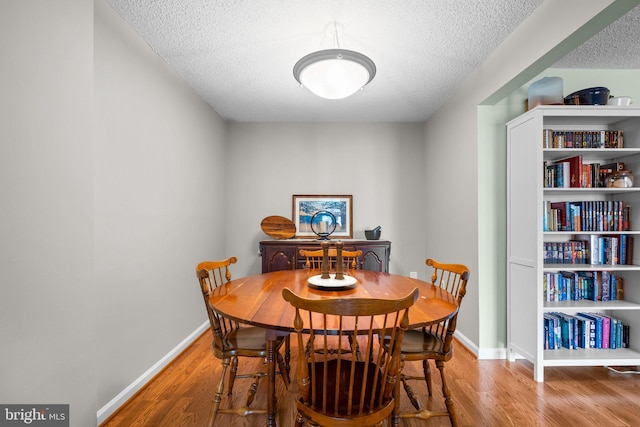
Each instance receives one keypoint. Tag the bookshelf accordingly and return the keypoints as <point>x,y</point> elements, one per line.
<point>528,201</point>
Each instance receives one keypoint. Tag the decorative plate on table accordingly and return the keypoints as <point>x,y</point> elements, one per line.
<point>332,283</point>
<point>278,227</point>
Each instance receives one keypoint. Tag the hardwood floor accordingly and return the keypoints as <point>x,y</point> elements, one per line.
<point>486,393</point>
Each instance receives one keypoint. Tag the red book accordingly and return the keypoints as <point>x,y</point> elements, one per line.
<point>575,170</point>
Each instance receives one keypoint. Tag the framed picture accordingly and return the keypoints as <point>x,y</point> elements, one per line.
<point>304,207</point>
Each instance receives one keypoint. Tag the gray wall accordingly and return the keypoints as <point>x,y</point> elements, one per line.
<point>47,296</point>
<point>380,164</point>
<point>159,191</point>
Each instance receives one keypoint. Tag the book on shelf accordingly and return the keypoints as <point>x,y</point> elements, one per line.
<point>549,343</point>
<point>582,138</point>
<point>594,249</point>
<point>562,331</point>
<point>571,172</point>
<point>581,285</point>
<point>586,215</point>
<point>625,336</point>
<point>590,249</point>
<point>597,250</point>
<point>553,340</point>
<point>575,170</point>
<point>569,252</point>
<point>598,327</point>
<point>606,286</point>
<point>557,175</point>
<point>567,330</point>
<point>591,175</point>
<point>563,216</point>
<point>620,288</point>
<point>606,329</point>
<point>588,331</point>
<point>584,330</point>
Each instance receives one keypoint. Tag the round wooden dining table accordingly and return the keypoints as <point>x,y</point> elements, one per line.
<point>257,300</point>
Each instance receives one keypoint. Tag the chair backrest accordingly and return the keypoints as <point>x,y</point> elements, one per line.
<point>453,278</point>
<point>212,274</point>
<point>314,259</point>
<point>338,385</point>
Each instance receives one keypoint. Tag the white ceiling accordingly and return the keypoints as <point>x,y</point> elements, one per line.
<point>239,54</point>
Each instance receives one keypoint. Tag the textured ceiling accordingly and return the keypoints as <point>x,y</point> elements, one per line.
<point>239,54</point>
<point>617,46</point>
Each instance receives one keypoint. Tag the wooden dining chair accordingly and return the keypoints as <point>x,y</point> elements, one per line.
<point>340,390</point>
<point>314,259</point>
<point>433,342</point>
<point>314,262</point>
<point>232,340</point>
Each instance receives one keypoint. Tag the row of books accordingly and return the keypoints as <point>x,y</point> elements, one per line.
<point>582,285</point>
<point>598,250</point>
<point>584,330</point>
<point>582,139</point>
<point>573,173</point>
<point>596,215</point>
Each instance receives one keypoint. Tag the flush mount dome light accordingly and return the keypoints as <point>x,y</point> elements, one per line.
<point>334,73</point>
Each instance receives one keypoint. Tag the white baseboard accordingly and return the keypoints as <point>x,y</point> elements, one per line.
<point>492,354</point>
<point>484,353</point>
<point>107,410</point>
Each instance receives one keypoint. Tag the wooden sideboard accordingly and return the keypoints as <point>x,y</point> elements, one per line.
<point>285,254</point>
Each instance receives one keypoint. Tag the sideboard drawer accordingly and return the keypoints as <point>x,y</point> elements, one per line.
<point>285,254</point>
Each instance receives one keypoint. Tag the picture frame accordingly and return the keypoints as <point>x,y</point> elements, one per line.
<point>305,206</point>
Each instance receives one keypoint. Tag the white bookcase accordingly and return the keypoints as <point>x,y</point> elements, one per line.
<point>526,195</point>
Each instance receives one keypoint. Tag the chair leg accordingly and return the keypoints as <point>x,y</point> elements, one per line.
<point>412,395</point>
<point>354,342</point>
<point>447,395</point>
<point>251,393</point>
<point>287,354</point>
<point>395,415</point>
<point>218,396</point>
<point>283,369</point>
<point>307,348</point>
<point>232,374</point>
<point>426,368</point>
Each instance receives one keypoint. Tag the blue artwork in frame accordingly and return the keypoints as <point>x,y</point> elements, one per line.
<point>305,206</point>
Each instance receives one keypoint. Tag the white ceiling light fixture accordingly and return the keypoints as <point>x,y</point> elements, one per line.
<point>334,73</point>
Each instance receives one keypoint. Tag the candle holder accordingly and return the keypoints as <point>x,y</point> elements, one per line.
<point>323,224</point>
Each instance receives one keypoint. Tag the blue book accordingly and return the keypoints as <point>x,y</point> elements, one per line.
<point>612,335</point>
<point>589,331</point>
<point>613,287</point>
<point>598,322</point>
<point>623,249</point>
<point>567,327</point>
<point>606,285</point>
<point>548,333</point>
<point>545,215</point>
<point>619,333</point>
<point>557,329</point>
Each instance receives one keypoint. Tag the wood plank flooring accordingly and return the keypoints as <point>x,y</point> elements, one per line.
<point>486,392</point>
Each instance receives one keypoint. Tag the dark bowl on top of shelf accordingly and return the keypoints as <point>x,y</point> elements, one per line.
<point>590,96</point>
<point>372,234</point>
